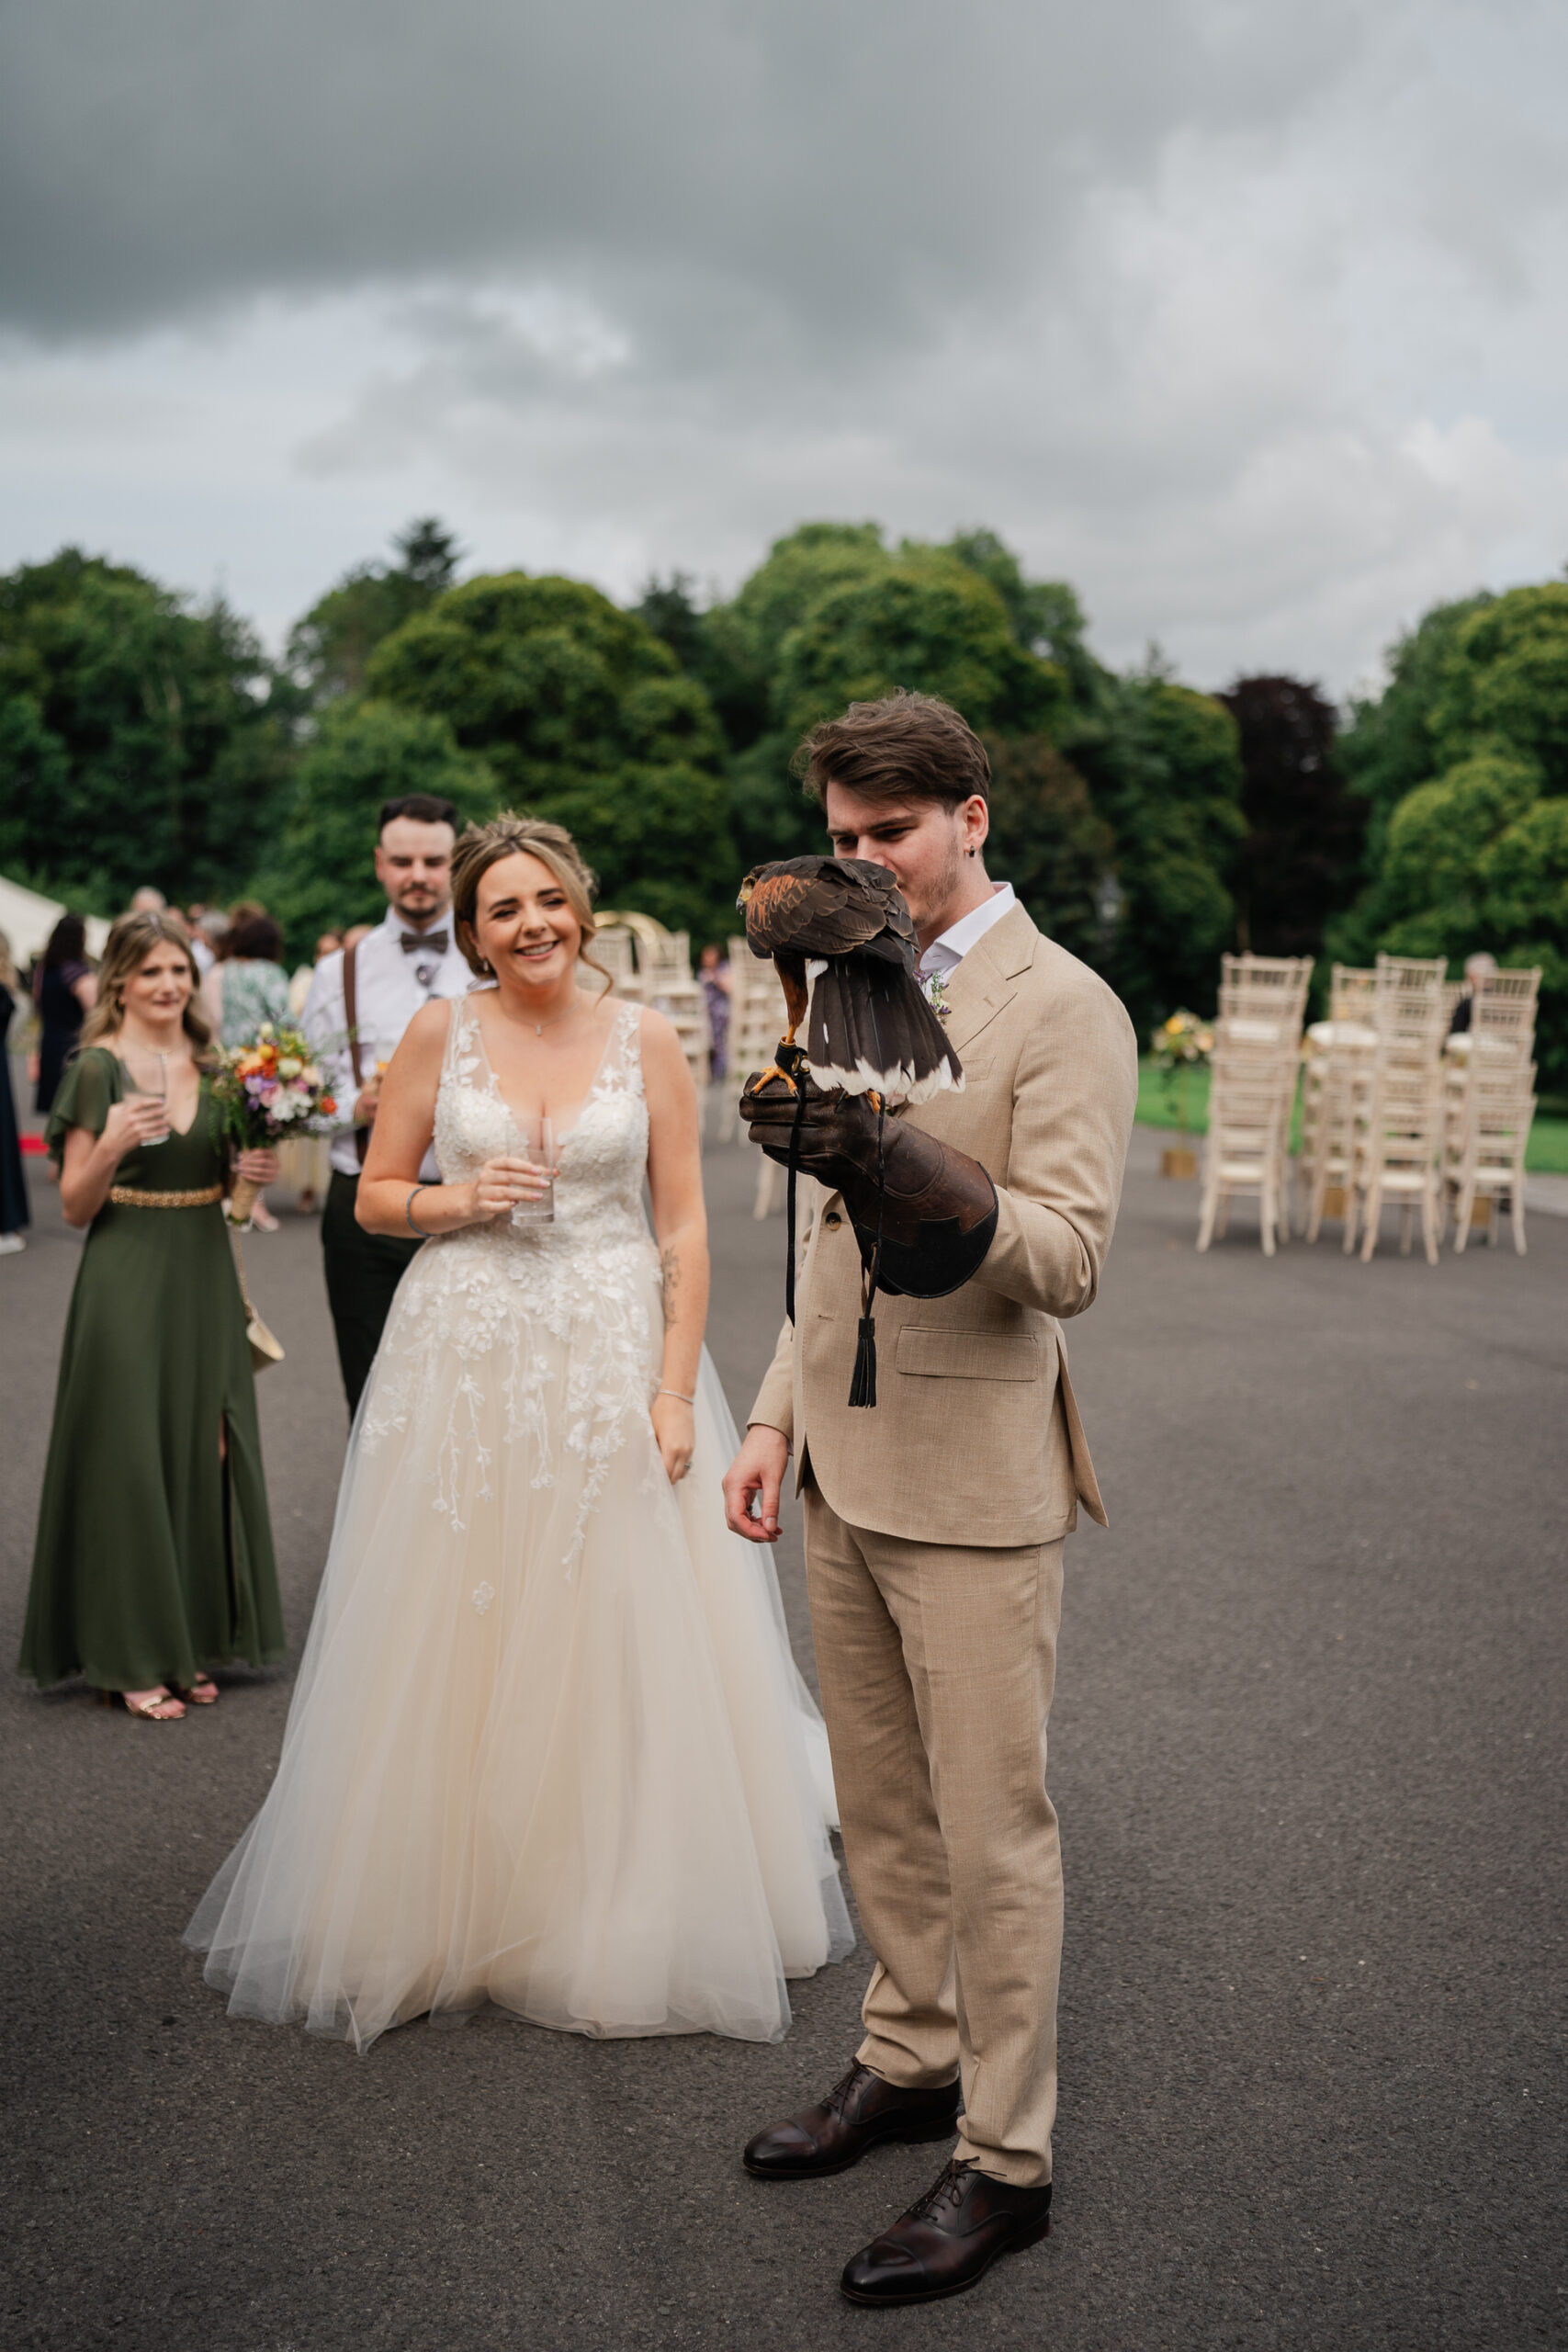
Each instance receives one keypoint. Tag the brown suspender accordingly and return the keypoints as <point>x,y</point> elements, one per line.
<point>361,1135</point>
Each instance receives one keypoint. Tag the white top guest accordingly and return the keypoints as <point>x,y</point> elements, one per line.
<point>399,966</point>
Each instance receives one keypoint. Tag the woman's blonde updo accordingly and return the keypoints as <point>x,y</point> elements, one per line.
<point>127,948</point>
<point>481,846</point>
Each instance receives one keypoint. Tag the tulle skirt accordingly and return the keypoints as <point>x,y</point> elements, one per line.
<point>549,1749</point>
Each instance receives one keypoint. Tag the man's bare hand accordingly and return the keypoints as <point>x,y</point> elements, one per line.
<point>757,1471</point>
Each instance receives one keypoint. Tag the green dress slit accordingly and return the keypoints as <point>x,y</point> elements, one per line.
<point>153,1559</point>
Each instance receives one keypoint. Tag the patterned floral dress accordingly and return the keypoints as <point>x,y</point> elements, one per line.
<point>549,1749</point>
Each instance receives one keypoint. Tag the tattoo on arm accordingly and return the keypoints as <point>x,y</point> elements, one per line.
<point>668,1276</point>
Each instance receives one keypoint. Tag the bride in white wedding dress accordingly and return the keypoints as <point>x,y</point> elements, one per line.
<point>549,1749</point>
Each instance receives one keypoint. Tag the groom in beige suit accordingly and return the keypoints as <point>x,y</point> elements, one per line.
<point>934,1521</point>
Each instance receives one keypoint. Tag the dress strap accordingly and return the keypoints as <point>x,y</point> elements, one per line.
<point>456,1024</point>
<point>628,1044</point>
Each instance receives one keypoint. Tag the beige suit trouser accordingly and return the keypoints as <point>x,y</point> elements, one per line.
<point>937,1663</point>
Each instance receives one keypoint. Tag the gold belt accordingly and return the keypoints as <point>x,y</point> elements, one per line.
<point>124,1196</point>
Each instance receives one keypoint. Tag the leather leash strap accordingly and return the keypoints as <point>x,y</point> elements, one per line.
<point>351,1014</point>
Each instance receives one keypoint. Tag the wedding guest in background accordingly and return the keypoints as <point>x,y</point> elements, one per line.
<point>247,986</point>
<point>153,1561</point>
<point>713,971</point>
<point>299,986</point>
<point>373,986</point>
<point>148,900</point>
<point>64,990</point>
<point>15,1212</point>
<point>206,942</point>
<point>1479,967</point>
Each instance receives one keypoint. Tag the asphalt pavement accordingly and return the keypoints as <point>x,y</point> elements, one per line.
<point>1308,1749</point>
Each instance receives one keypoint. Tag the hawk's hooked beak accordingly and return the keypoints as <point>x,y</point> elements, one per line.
<point>744,901</point>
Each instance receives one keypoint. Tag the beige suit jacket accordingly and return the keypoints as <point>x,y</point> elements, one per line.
<point>975,1438</point>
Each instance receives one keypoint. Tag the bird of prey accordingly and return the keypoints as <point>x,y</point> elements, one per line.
<point>842,939</point>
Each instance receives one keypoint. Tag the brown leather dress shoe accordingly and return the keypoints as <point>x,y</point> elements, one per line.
<point>859,2110</point>
<point>948,2239</point>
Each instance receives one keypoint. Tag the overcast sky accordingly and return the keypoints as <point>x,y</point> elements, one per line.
<point>1250,319</point>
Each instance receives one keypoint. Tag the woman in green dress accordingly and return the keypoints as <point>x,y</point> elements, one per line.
<point>153,1560</point>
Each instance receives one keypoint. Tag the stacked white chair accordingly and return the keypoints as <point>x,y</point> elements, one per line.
<point>1399,1109</point>
<point>1252,1088</point>
<point>758,1019</point>
<point>1337,1053</point>
<point>1500,1109</point>
<point>1490,1098</point>
<point>652,965</point>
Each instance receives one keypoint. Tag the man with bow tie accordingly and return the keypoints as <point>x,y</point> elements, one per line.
<point>361,1000</point>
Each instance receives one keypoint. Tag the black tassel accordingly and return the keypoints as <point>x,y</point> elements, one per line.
<point>863,1387</point>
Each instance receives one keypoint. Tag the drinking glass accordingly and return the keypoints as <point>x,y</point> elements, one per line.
<point>149,1075</point>
<point>535,1139</point>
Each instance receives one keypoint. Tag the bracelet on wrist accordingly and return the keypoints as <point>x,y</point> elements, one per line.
<point>408,1212</point>
<point>678,1397</point>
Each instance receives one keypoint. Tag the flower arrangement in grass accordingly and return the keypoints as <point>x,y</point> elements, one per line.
<point>1179,1045</point>
<point>268,1089</point>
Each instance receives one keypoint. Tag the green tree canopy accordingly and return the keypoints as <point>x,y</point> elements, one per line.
<point>1480,859</point>
<point>1463,761</point>
<point>1048,840</point>
<point>330,649</point>
<point>320,876</point>
<point>1504,681</point>
<point>835,616</point>
<point>138,740</point>
<point>582,716</point>
<point>1165,766</point>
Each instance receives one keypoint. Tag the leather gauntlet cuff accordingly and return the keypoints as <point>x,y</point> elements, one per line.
<point>939,1215</point>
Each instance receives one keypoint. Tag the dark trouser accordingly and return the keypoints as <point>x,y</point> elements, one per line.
<point>363,1271</point>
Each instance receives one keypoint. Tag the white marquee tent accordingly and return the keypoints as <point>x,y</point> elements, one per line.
<point>27,918</point>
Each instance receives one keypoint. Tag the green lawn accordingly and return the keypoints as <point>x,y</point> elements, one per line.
<point>1158,1106</point>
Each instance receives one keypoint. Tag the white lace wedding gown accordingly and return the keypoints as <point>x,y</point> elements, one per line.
<point>548,1748</point>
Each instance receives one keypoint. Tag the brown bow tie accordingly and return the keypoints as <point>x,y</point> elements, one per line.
<point>421,942</point>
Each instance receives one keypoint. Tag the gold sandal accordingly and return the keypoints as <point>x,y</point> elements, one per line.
<point>146,1710</point>
<point>202,1692</point>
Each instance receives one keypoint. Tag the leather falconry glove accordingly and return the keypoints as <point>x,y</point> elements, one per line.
<point>932,1208</point>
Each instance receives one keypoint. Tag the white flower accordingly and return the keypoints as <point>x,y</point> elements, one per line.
<point>288,1066</point>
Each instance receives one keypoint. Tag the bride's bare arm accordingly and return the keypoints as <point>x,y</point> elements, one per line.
<point>405,1120</point>
<point>680,1228</point>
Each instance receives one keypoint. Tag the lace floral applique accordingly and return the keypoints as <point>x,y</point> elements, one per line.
<point>482,1596</point>
<point>557,1321</point>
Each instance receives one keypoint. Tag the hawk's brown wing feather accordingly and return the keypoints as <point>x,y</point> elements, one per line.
<point>823,906</point>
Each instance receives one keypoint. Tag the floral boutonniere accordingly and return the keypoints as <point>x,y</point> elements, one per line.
<point>936,990</point>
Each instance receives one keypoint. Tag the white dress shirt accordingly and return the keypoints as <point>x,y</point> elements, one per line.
<point>945,955</point>
<point>390,985</point>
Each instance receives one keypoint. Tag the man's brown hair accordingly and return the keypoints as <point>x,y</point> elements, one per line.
<point>906,747</point>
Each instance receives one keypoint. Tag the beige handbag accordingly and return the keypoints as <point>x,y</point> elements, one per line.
<point>265,1349</point>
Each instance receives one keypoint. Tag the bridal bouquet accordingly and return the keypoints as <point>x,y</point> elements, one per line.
<point>268,1089</point>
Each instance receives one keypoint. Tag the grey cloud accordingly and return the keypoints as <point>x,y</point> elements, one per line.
<point>858,164</point>
<point>1247,315</point>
